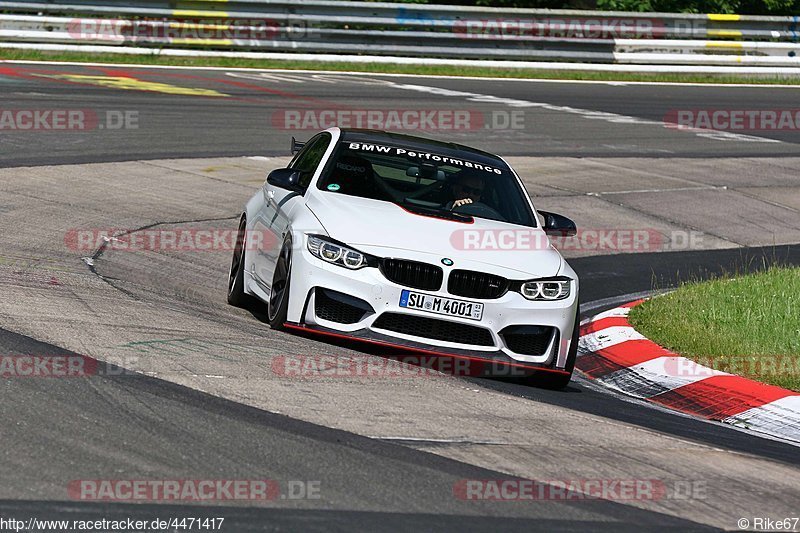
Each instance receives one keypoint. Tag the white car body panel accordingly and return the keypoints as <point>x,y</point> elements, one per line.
<point>345,217</point>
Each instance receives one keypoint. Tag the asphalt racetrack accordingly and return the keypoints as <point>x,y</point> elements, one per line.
<point>186,386</point>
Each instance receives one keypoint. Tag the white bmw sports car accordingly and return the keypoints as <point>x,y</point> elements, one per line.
<point>423,245</point>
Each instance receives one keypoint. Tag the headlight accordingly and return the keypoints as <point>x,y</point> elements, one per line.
<point>336,253</point>
<point>547,289</point>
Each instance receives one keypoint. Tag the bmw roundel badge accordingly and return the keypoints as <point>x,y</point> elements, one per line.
<point>447,261</point>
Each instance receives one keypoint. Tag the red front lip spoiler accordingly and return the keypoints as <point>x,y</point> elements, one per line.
<point>478,369</point>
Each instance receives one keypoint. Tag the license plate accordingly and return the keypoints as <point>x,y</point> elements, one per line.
<point>441,306</point>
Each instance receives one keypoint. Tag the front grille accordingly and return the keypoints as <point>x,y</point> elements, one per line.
<point>432,328</point>
<point>472,284</point>
<point>413,274</point>
<point>338,307</point>
<point>527,340</point>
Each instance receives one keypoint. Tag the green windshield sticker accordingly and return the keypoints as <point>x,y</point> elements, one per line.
<point>334,187</point>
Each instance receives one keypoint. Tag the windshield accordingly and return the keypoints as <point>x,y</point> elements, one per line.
<point>453,185</point>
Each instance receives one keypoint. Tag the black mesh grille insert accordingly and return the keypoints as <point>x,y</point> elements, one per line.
<point>432,328</point>
<point>413,274</point>
<point>338,307</point>
<point>476,284</point>
<point>527,340</point>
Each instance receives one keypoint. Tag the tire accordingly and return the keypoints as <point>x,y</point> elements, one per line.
<point>236,295</point>
<point>278,307</point>
<point>557,381</point>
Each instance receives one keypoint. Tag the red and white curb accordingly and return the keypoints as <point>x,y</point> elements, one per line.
<point>614,354</point>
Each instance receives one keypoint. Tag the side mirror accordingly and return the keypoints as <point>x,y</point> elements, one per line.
<point>558,225</point>
<point>285,178</point>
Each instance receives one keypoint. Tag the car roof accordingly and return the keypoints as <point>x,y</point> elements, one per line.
<point>449,149</point>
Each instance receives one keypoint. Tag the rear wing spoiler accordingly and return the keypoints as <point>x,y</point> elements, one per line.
<point>296,146</point>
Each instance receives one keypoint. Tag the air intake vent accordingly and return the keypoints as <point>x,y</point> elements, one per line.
<point>338,307</point>
<point>435,329</point>
<point>528,340</point>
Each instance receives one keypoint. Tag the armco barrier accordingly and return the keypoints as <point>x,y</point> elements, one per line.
<point>404,30</point>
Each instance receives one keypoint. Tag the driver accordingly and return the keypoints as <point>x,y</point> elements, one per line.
<point>466,189</point>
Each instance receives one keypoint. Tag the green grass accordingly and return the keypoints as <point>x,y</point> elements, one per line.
<point>26,55</point>
<point>748,325</point>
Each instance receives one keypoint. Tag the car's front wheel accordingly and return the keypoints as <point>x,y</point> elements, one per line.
<point>279,295</point>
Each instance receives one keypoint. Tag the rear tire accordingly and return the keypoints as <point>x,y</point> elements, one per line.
<point>279,294</point>
<point>546,380</point>
<point>236,294</point>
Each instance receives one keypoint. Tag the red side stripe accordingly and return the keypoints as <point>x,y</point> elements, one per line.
<point>719,397</point>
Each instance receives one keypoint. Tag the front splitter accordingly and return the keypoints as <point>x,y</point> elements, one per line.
<point>495,364</point>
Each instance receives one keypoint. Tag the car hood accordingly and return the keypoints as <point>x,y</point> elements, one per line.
<point>385,229</point>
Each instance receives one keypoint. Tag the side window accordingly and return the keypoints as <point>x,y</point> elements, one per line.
<point>308,159</point>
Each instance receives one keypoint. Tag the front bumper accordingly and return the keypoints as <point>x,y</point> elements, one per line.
<point>383,296</point>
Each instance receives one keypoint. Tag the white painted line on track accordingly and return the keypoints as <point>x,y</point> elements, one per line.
<point>443,441</point>
<point>637,191</point>
<point>395,75</point>
<point>590,114</point>
<point>516,103</point>
<point>617,300</point>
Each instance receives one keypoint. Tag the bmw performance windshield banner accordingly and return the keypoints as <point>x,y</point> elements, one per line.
<point>393,150</point>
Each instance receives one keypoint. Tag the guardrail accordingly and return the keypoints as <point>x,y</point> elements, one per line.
<point>408,30</point>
